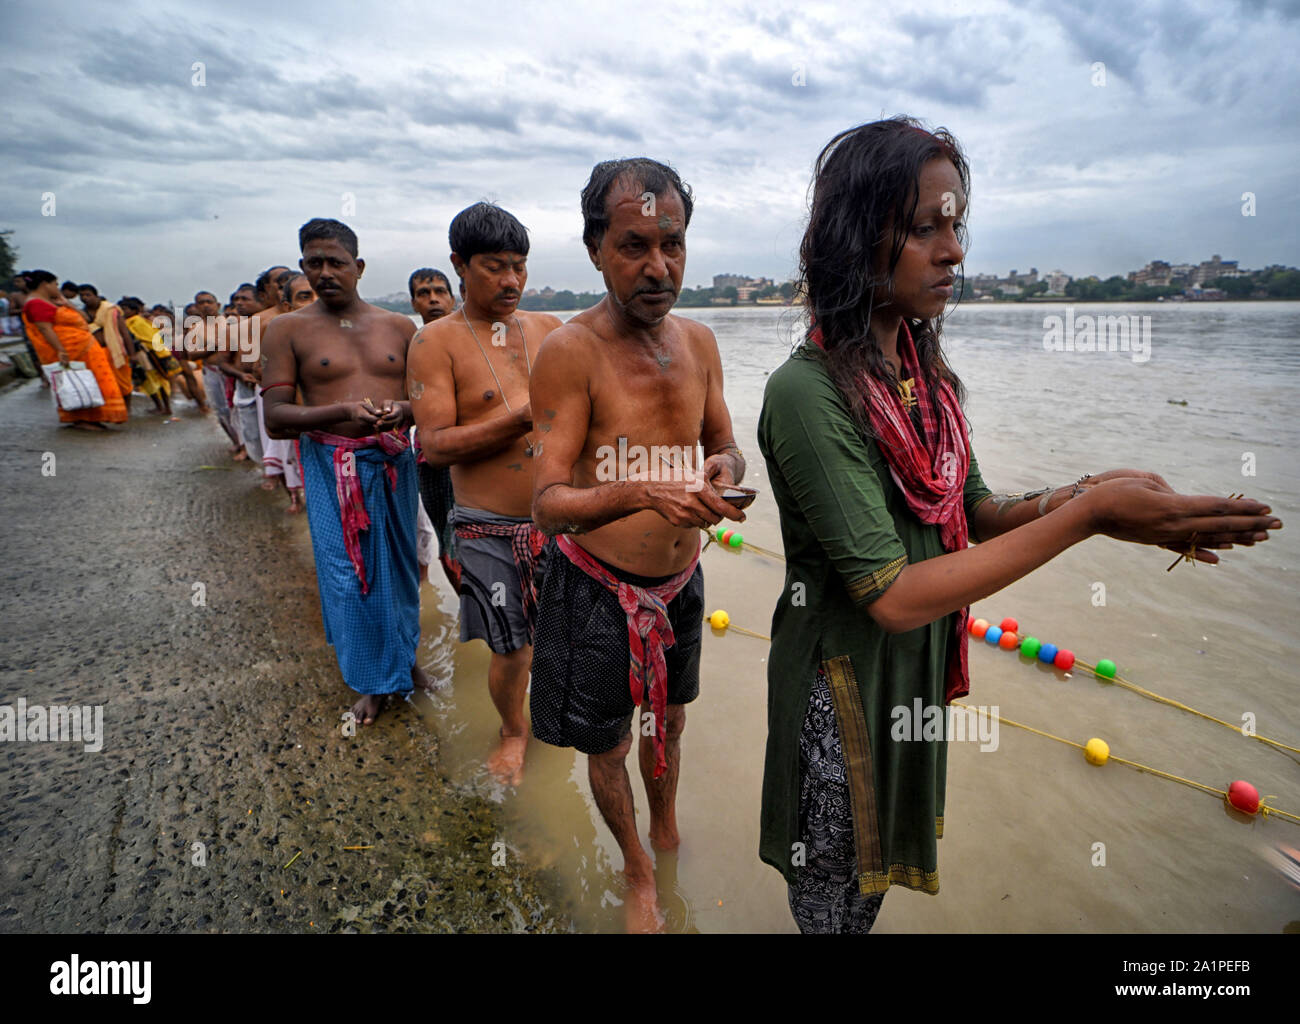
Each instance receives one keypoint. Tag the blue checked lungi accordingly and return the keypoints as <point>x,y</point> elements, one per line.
<point>374,634</point>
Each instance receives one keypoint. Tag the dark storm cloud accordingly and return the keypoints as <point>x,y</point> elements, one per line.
<point>416,118</point>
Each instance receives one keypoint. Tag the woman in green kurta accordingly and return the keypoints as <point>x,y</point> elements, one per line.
<point>870,465</point>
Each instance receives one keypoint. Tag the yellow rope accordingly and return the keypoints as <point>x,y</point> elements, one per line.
<point>1181,706</point>
<point>1018,725</point>
<point>747,632</point>
<point>1118,679</point>
<point>746,546</point>
<point>1222,794</point>
<point>1264,809</point>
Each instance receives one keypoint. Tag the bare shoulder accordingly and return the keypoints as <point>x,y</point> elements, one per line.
<point>280,328</point>
<point>297,322</point>
<point>399,322</point>
<point>440,334</point>
<point>570,340</point>
<point>545,322</point>
<point>699,337</point>
<point>694,331</point>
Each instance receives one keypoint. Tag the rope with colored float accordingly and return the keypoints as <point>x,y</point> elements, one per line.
<point>731,539</point>
<point>1240,795</point>
<point>1030,647</point>
<point>1006,637</point>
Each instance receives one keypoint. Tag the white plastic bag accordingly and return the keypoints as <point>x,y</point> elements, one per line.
<point>73,387</point>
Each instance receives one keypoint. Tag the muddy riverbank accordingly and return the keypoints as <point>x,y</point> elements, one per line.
<point>226,794</point>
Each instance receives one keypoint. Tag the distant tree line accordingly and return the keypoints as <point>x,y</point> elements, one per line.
<point>686,297</point>
<point>1273,283</point>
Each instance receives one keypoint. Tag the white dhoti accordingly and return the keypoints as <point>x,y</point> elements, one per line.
<point>278,457</point>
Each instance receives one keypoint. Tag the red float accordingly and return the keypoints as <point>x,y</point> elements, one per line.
<point>1244,797</point>
<point>1008,640</point>
<point>1064,660</point>
<point>978,628</point>
<point>1010,625</point>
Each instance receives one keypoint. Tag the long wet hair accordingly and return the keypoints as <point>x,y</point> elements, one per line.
<point>864,196</point>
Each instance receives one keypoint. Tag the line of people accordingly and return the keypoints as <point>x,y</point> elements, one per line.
<point>122,344</point>
<point>586,585</point>
<point>616,607</point>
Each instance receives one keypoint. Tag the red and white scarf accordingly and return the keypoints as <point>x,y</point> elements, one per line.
<point>929,468</point>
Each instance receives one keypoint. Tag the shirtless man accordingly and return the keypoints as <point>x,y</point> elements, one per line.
<point>277,454</point>
<point>109,325</point>
<point>348,358</point>
<point>468,381</point>
<point>295,293</point>
<point>232,363</point>
<point>627,377</point>
<point>204,350</point>
<point>431,299</point>
<point>431,296</point>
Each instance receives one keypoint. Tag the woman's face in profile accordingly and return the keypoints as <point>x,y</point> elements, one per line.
<point>922,282</point>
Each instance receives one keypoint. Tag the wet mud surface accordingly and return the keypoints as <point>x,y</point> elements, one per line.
<point>222,711</point>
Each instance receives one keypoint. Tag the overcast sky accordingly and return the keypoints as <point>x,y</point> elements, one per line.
<point>163,186</point>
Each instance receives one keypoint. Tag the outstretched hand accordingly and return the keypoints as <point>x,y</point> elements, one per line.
<point>1143,509</point>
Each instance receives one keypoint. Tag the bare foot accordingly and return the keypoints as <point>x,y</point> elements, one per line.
<point>240,455</point>
<point>83,425</point>
<point>295,501</point>
<point>421,681</point>
<point>367,709</point>
<point>268,484</point>
<point>641,905</point>
<point>507,761</point>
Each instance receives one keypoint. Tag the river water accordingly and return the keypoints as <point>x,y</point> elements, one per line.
<point>1035,838</point>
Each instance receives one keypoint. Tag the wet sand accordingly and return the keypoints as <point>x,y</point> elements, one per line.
<point>221,723</point>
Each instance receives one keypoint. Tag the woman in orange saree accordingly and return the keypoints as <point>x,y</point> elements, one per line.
<point>59,334</point>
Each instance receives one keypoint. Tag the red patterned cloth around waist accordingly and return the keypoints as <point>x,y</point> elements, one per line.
<point>648,632</point>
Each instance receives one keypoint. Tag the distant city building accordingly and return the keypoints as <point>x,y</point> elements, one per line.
<point>1056,282</point>
<point>746,292</point>
<point>1156,274</point>
<point>747,288</point>
<point>1215,267</point>
<point>1013,284</point>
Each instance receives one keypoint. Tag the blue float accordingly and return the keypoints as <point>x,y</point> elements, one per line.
<point>991,637</point>
<point>1047,653</point>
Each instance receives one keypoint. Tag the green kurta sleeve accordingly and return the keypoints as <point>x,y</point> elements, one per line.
<point>824,460</point>
<point>975,492</point>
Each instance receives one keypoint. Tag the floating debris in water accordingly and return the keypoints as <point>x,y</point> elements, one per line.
<point>1176,401</point>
